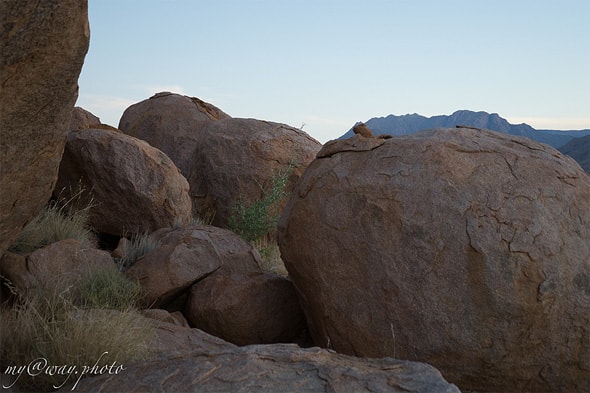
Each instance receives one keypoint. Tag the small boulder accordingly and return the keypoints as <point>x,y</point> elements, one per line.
<point>246,308</point>
<point>82,119</point>
<point>136,187</point>
<point>64,261</point>
<point>236,158</point>
<point>187,255</point>
<point>466,249</point>
<point>172,123</point>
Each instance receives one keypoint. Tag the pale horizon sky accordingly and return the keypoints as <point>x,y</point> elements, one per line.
<point>327,64</point>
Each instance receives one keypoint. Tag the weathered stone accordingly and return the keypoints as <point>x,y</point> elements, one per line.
<point>187,255</point>
<point>42,48</point>
<point>355,143</point>
<point>193,361</point>
<point>136,188</point>
<point>236,158</point>
<point>464,249</point>
<point>64,262</point>
<point>246,308</point>
<point>82,119</point>
<point>174,318</point>
<point>172,123</point>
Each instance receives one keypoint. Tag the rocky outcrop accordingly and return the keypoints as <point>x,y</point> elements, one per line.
<point>187,255</point>
<point>64,262</point>
<point>193,361</point>
<point>136,188</point>
<point>464,249</point>
<point>235,158</point>
<point>246,308</point>
<point>43,45</point>
<point>172,123</point>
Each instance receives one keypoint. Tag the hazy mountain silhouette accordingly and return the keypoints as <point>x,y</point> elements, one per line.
<point>408,124</point>
<point>579,149</point>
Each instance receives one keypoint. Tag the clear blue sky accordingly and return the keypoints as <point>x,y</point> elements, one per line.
<point>330,63</point>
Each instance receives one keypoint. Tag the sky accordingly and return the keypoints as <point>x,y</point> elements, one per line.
<point>324,65</point>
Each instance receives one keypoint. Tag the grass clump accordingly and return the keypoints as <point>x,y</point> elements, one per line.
<point>271,257</point>
<point>107,289</point>
<point>59,220</point>
<point>139,245</point>
<point>54,326</point>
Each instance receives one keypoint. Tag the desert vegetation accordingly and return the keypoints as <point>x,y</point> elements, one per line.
<point>62,322</point>
<point>60,219</point>
<point>257,221</point>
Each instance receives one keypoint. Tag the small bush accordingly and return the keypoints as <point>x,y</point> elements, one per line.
<point>59,220</point>
<point>258,219</point>
<point>49,326</point>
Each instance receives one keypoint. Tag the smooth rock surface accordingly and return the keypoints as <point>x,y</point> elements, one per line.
<point>42,48</point>
<point>246,308</point>
<point>193,361</point>
<point>172,123</point>
<point>136,188</point>
<point>187,255</point>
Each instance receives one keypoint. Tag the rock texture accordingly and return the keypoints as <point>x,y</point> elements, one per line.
<point>172,123</point>
<point>66,260</point>
<point>187,255</point>
<point>193,361</point>
<point>82,119</point>
<point>236,157</point>
<point>246,308</point>
<point>464,249</point>
<point>42,48</point>
<point>136,187</point>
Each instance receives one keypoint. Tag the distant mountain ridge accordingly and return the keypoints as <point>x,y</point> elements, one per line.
<point>579,149</point>
<point>408,124</point>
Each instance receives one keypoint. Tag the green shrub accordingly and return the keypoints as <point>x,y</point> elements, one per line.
<point>258,219</point>
<point>59,220</point>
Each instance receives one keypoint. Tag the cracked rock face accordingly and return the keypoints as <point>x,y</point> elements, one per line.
<point>465,249</point>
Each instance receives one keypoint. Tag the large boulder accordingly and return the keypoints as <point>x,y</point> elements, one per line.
<point>465,249</point>
<point>172,123</point>
<point>136,188</point>
<point>42,48</point>
<point>189,360</point>
<point>246,308</point>
<point>236,159</point>
<point>187,255</point>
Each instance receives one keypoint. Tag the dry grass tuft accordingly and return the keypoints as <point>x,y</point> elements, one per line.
<point>271,257</point>
<point>51,326</point>
<point>59,220</point>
